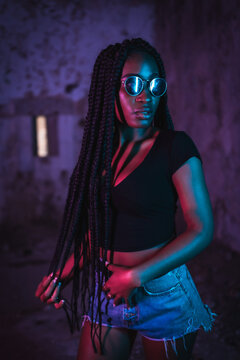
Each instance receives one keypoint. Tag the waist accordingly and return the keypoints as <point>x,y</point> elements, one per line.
<point>133,258</point>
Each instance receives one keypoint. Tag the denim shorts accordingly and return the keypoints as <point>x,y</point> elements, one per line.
<point>166,308</point>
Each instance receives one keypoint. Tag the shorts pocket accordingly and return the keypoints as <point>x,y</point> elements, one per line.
<point>189,288</point>
<point>163,285</point>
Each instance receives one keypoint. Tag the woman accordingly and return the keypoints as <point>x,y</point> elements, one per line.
<point>119,217</point>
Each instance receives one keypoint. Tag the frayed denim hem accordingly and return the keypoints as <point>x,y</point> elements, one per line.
<point>189,330</point>
<point>167,308</point>
<point>172,340</point>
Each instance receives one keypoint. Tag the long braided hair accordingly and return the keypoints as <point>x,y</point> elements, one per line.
<point>82,218</point>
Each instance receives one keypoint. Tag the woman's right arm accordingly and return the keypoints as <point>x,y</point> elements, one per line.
<point>48,290</point>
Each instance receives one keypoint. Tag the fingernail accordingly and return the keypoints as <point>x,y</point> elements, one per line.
<point>114,305</point>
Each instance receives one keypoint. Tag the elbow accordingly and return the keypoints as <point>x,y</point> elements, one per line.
<point>209,228</point>
<point>208,236</point>
<point>203,231</point>
<point>206,233</point>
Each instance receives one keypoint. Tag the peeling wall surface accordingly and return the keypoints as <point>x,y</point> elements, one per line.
<point>47,53</point>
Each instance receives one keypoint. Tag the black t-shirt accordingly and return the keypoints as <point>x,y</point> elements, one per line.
<point>144,203</point>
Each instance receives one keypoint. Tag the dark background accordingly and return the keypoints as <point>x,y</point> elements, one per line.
<point>47,52</point>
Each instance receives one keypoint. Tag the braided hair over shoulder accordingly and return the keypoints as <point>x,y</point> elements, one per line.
<point>86,224</point>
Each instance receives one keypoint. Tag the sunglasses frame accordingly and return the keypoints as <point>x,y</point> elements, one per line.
<point>123,82</point>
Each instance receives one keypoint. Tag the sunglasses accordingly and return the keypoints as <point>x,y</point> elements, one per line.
<point>134,85</point>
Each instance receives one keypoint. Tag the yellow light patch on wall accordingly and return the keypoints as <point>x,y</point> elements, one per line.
<point>42,136</point>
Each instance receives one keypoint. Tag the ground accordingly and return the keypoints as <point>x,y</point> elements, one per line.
<point>30,330</point>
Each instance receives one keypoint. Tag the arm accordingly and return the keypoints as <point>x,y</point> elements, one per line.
<point>48,289</point>
<point>67,272</point>
<point>195,203</point>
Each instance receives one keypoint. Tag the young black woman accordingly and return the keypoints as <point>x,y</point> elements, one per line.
<point>119,216</point>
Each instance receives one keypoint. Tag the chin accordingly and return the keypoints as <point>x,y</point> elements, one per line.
<point>145,123</point>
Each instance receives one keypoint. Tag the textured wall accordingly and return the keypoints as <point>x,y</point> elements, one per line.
<point>47,51</point>
<point>199,42</point>
<point>49,47</point>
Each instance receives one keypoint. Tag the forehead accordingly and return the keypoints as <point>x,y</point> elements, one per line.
<point>140,63</point>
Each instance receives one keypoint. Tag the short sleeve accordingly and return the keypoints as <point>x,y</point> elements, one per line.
<point>183,148</point>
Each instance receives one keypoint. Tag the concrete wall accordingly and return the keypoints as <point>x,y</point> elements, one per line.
<point>199,41</point>
<point>47,51</point>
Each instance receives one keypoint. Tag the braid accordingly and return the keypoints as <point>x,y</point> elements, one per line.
<point>82,214</point>
<point>74,180</point>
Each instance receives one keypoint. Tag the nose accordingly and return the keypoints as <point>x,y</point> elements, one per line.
<point>145,95</point>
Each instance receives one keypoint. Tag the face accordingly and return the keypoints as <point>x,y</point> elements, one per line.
<point>144,65</point>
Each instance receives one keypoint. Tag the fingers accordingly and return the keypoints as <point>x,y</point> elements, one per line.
<point>47,280</point>
<point>43,284</point>
<point>132,298</point>
<point>59,305</point>
<point>49,290</point>
<point>55,294</point>
<point>118,301</point>
<point>129,305</point>
<point>105,288</point>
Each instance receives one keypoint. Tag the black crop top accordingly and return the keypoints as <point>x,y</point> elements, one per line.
<point>143,205</point>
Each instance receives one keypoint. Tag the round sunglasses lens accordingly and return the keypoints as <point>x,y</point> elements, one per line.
<point>133,85</point>
<point>158,86</point>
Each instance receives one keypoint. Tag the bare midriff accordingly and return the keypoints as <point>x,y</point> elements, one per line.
<point>133,258</point>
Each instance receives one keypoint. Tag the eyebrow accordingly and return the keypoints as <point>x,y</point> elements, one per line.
<point>129,74</point>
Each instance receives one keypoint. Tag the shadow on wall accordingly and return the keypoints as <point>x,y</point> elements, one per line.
<point>30,204</point>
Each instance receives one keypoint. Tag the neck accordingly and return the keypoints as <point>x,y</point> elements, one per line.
<point>129,134</point>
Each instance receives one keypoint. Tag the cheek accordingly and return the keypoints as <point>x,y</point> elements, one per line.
<point>125,105</point>
<point>128,105</point>
<point>126,102</point>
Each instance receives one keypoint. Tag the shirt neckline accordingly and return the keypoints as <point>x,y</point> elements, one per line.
<point>148,154</point>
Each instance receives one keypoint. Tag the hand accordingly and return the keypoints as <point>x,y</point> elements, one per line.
<point>48,291</point>
<point>121,284</point>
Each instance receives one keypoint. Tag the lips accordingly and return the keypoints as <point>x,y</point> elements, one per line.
<point>143,111</point>
<point>143,114</point>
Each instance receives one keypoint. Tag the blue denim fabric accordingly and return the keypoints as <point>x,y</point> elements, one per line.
<point>167,308</point>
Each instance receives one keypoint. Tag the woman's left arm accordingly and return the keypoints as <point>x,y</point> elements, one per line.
<point>195,203</point>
